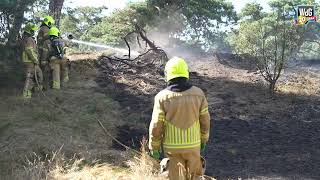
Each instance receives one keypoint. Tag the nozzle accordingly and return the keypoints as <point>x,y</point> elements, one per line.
<point>70,36</point>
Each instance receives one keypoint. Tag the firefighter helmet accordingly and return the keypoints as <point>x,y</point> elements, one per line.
<point>30,28</point>
<point>54,31</point>
<point>176,67</point>
<point>48,20</point>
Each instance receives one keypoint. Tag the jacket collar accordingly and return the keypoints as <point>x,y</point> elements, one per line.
<point>178,85</point>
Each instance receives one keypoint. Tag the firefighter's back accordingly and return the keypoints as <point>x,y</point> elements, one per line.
<point>182,111</point>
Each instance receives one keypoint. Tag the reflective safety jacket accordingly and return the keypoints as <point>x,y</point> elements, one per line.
<point>42,35</point>
<point>180,120</point>
<point>29,50</point>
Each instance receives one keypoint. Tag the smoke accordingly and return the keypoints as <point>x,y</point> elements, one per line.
<point>169,34</point>
<point>175,47</point>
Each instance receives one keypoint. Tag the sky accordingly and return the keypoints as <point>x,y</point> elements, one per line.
<point>115,4</point>
<point>239,4</point>
<point>110,4</point>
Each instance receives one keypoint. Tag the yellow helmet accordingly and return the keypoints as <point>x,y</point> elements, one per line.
<point>54,31</point>
<point>30,28</point>
<point>48,20</point>
<point>176,67</point>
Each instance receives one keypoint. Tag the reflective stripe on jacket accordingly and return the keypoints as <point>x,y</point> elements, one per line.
<point>180,120</point>
<point>181,138</point>
<point>29,53</point>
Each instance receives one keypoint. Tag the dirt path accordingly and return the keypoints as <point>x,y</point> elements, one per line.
<point>254,135</point>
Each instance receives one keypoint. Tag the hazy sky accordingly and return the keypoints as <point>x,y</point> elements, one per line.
<point>113,4</point>
<point>238,5</point>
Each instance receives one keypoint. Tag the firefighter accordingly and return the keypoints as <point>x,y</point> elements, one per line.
<point>53,52</point>
<point>34,76</point>
<point>180,123</point>
<point>47,23</point>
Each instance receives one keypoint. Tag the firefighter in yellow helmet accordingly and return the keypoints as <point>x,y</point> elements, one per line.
<point>180,123</point>
<point>30,59</point>
<point>47,23</point>
<point>53,52</point>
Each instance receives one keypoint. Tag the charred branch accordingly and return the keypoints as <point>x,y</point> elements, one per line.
<point>128,45</point>
<point>153,53</point>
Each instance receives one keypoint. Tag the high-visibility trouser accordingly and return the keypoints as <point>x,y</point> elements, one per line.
<point>32,81</point>
<point>184,164</point>
<point>59,66</point>
<point>47,74</point>
<point>40,54</point>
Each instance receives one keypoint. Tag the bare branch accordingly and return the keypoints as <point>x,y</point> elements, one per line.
<point>275,52</point>
<point>138,41</point>
<point>261,71</point>
<point>129,34</point>
<point>143,54</point>
<point>151,44</point>
<point>115,62</point>
<point>282,54</point>
<point>129,49</point>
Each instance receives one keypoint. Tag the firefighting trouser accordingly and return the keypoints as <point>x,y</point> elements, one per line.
<point>34,78</point>
<point>184,164</point>
<point>47,74</point>
<point>59,66</point>
<point>40,54</point>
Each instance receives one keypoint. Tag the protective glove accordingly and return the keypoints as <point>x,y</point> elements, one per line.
<point>155,154</point>
<point>203,146</point>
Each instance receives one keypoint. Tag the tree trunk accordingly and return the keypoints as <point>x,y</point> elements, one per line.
<point>272,86</point>
<point>55,7</point>
<point>17,21</point>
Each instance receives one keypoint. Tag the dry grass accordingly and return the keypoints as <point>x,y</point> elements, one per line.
<point>302,84</point>
<point>40,127</point>
<point>58,168</point>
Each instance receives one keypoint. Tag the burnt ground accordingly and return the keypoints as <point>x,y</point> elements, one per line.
<point>253,134</point>
<point>258,135</point>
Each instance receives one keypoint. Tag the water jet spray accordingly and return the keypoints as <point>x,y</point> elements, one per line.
<point>92,44</point>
